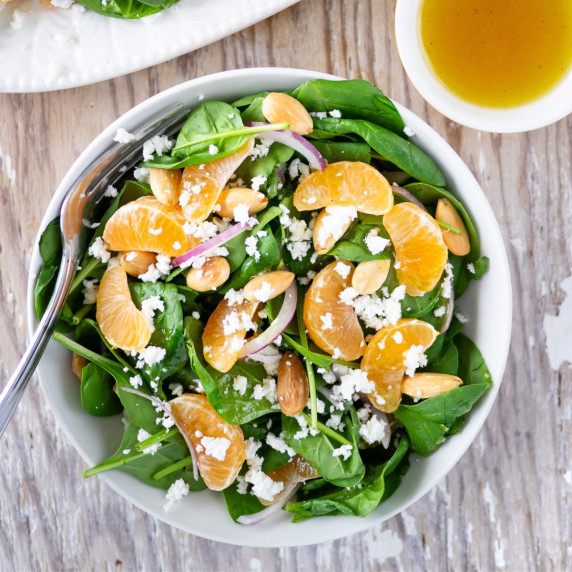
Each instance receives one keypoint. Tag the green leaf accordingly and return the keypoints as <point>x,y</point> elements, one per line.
<point>334,151</point>
<point>51,243</point>
<point>358,500</point>
<point>472,366</point>
<point>238,504</point>
<point>130,9</point>
<point>318,451</point>
<point>97,396</point>
<point>355,99</point>
<point>390,146</point>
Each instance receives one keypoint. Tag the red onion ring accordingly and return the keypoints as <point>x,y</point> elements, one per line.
<point>212,243</point>
<point>296,142</point>
<point>280,323</point>
<point>408,196</point>
<point>165,407</point>
<point>249,519</point>
<point>273,360</point>
<point>449,315</point>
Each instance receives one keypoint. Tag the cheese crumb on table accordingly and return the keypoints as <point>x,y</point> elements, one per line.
<point>176,492</point>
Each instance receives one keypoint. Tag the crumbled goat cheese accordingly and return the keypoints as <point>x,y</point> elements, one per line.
<point>213,149</point>
<point>297,169</point>
<point>278,444</point>
<point>136,381</point>
<point>374,311</point>
<point>241,485</point>
<point>413,359</point>
<point>155,231</point>
<point>335,113</point>
<point>461,318</point>
<point>204,230</point>
<point>157,271</point>
<point>89,224</point>
<point>149,356</point>
<point>327,376</point>
<point>141,436</point>
<point>264,293</point>
<point>335,422</point>
<point>176,389</point>
<point>90,291</point>
<point>99,250</point>
<point>142,174</point>
<point>130,256</point>
<point>374,429</point>
<point>236,321</point>
<point>262,485</point>
<point>251,243</point>
<point>216,447</point>
<point>149,306</point>
<point>471,267</point>
<point>176,492</point>
<point>398,337</point>
<point>257,182</point>
<point>343,269</point>
<point>374,242</point>
<point>157,145</point>
<point>234,297</point>
<point>319,114</point>
<point>123,136</point>
<point>355,381</point>
<point>440,311</point>
<point>265,390</point>
<point>344,451</point>
<point>327,323</point>
<point>111,192</point>
<point>334,223</point>
<point>261,149</point>
<point>447,285</point>
<point>240,384</point>
<point>65,4</point>
<point>240,214</point>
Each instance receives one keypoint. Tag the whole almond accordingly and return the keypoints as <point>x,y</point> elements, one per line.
<point>369,276</point>
<point>283,108</point>
<point>229,199</point>
<point>330,225</point>
<point>78,363</point>
<point>458,244</point>
<point>165,185</point>
<point>292,386</point>
<point>212,274</point>
<point>137,262</point>
<point>267,286</point>
<point>424,385</point>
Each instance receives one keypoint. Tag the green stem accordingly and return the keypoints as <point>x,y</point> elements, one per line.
<point>84,273</point>
<point>172,468</point>
<point>446,226</point>
<point>328,431</point>
<point>107,364</point>
<point>81,314</point>
<point>108,465</point>
<point>234,133</point>
<point>157,438</point>
<point>309,366</point>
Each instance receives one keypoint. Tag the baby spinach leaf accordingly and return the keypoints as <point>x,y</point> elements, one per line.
<point>130,9</point>
<point>333,151</point>
<point>360,499</point>
<point>264,166</point>
<point>133,190</point>
<point>447,362</point>
<point>43,291</point>
<point>462,275</point>
<point>239,504</point>
<point>390,146</point>
<point>51,243</point>
<point>318,451</point>
<point>97,396</point>
<point>355,99</point>
<point>249,99</point>
<point>472,366</point>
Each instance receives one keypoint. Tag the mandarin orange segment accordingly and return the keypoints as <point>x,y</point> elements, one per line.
<point>201,185</point>
<point>147,225</point>
<point>390,352</point>
<point>219,445</point>
<point>297,470</point>
<point>420,252</point>
<point>225,332</point>
<point>122,324</point>
<point>346,184</point>
<point>332,324</point>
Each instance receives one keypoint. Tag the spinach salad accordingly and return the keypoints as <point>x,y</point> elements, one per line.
<point>269,301</point>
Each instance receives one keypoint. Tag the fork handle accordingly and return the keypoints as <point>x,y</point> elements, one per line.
<point>12,392</point>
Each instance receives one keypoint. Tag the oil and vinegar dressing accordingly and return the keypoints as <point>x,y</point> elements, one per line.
<point>498,53</point>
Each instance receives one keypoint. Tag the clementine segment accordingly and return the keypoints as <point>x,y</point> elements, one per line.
<point>420,252</point>
<point>332,324</point>
<point>387,356</point>
<point>147,225</point>
<point>122,324</point>
<point>219,446</point>
<point>224,333</point>
<point>346,184</point>
<point>201,185</point>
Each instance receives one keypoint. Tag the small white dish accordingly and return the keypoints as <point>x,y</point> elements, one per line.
<point>555,105</point>
<point>487,304</point>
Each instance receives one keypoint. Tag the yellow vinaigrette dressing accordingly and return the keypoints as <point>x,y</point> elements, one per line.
<point>498,53</point>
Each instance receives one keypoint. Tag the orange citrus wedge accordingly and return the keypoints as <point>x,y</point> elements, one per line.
<point>219,445</point>
<point>122,324</point>
<point>420,252</point>
<point>346,184</point>
<point>332,324</point>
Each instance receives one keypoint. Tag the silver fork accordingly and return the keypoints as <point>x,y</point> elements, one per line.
<point>86,193</point>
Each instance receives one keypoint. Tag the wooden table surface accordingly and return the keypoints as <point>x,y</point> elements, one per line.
<point>507,503</point>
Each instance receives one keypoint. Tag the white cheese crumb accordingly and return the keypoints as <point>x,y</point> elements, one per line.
<point>327,323</point>
<point>334,223</point>
<point>149,306</point>
<point>213,149</point>
<point>99,250</point>
<point>122,135</point>
<point>156,146</point>
<point>344,451</point>
<point>149,356</point>
<point>414,358</point>
<point>278,444</point>
<point>374,242</point>
<point>141,174</point>
<point>440,311</point>
<point>216,447</point>
<point>90,291</point>
<point>257,182</point>
<point>141,436</point>
<point>264,293</point>
<point>335,113</point>
<point>240,384</point>
<point>136,381</point>
<point>343,269</point>
<point>176,492</point>
<point>471,267</point>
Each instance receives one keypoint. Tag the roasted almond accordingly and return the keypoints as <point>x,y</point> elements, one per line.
<point>457,244</point>
<point>369,276</point>
<point>330,225</point>
<point>229,199</point>
<point>292,386</point>
<point>165,185</point>
<point>267,286</point>
<point>212,274</point>
<point>283,108</point>
<point>137,262</point>
<point>424,385</point>
<point>78,363</point>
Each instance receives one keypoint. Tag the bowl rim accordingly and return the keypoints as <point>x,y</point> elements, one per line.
<point>547,109</point>
<point>301,533</point>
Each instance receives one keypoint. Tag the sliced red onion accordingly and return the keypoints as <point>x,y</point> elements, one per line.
<point>272,509</point>
<point>408,196</point>
<point>167,409</point>
<point>212,243</point>
<point>449,315</point>
<point>296,142</point>
<point>280,323</point>
<point>272,360</point>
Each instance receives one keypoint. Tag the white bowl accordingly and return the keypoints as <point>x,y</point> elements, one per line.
<point>555,105</point>
<point>487,304</point>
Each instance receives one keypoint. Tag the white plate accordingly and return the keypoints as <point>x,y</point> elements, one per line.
<point>487,304</point>
<point>57,49</point>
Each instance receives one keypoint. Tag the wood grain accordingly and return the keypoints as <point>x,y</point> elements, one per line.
<point>507,502</point>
